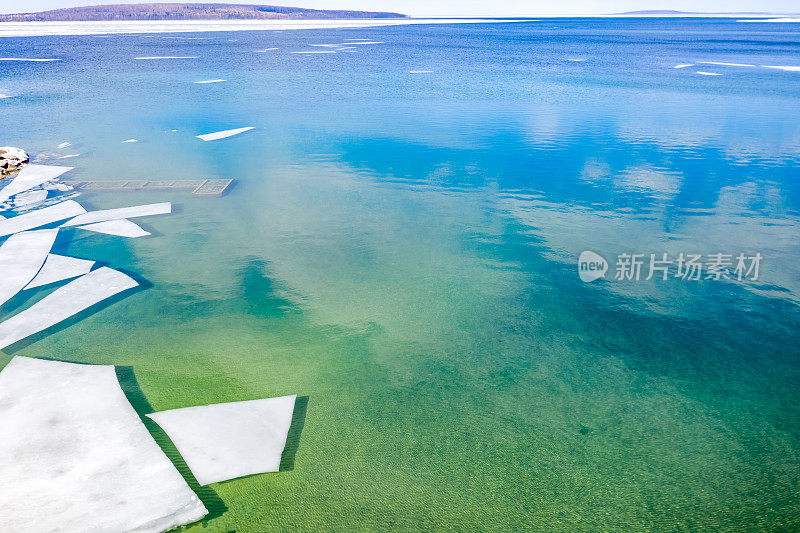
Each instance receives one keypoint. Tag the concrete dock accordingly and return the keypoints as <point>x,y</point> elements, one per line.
<point>208,187</point>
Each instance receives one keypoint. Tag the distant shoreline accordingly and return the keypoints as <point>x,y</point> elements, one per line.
<point>115,27</point>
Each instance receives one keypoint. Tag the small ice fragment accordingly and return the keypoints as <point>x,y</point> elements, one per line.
<point>40,217</point>
<point>29,197</point>
<point>223,134</point>
<point>420,71</point>
<point>266,50</point>
<point>58,268</point>
<point>68,156</point>
<point>131,141</point>
<point>366,42</point>
<point>704,73</point>
<point>59,305</point>
<point>77,457</point>
<point>27,59</point>
<point>104,215</point>
<point>120,228</point>
<point>21,257</point>
<point>786,68</point>
<point>316,52</point>
<point>725,64</point>
<point>211,81</point>
<point>64,145</point>
<point>31,176</point>
<point>684,65</point>
<point>166,57</point>
<point>577,60</point>
<point>228,440</point>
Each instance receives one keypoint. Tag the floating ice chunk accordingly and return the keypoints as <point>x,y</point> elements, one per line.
<point>64,145</point>
<point>229,440</point>
<point>104,215</point>
<point>37,60</point>
<point>266,49</point>
<point>684,65</point>
<point>786,68</point>
<point>41,217</point>
<point>29,177</point>
<point>131,141</point>
<point>223,134</point>
<point>77,457</point>
<point>420,71</point>
<point>704,73</point>
<point>21,257</point>
<point>64,302</point>
<point>58,268</point>
<point>166,57</point>
<point>120,228</point>
<point>725,64</point>
<point>366,42</point>
<point>28,198</point>
<point>211,81</point>
<point>69,156</point>
<point>316,52</point>
<point>576,60</point>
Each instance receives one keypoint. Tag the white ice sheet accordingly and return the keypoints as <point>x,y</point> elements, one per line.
<point>21,257</point>
<point>104,215</point>
<point>64,302</point>
<point>77,458</point>
<point>58,268</point>
<point>40,217</point>
<point>29,177</point>
<point>120,228</point>
<point>229,440</point>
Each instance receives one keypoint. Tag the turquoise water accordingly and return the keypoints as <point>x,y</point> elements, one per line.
<point>402,249</point>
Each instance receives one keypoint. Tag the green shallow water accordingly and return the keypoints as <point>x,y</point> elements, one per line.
<point>402,251</point>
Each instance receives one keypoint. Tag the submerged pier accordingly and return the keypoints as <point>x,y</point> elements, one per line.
<point>202,187</point>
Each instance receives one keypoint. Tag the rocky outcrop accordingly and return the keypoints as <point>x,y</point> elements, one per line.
<point>11,159</point>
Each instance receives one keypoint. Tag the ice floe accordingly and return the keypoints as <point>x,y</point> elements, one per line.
<point>21,257</point>
<point>704,73</point>
<point>783,67</point>
<point>223,134</point>
<point>166,57</point>
<point>41,217</point>
<point>63,145</point>
<point>64,302</point>
<point>229,440</point>
<point>69,156</point>
<point>29,177</point>
<point>211,81</point>
<point>684,65</point>
<point>33,59</point>
<point>77,457</point>
<point>131,141</point>
<point>120,228</point>
<point>267,49</point>
<point>366,42</point>
<point>58,268</point>
<point>104,215</point>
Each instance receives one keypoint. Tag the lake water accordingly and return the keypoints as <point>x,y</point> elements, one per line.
<point>402,249</point>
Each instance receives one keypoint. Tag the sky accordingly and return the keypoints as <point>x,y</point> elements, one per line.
<point>466,8</point>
